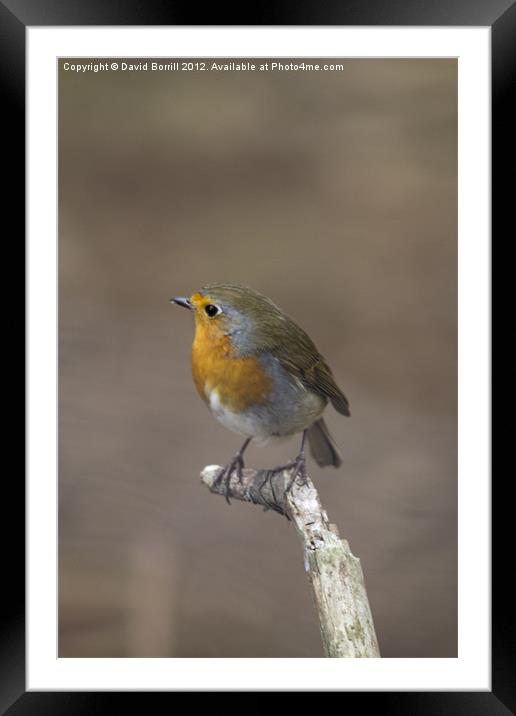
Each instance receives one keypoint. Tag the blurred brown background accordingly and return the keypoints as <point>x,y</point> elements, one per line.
<point>336,195</point>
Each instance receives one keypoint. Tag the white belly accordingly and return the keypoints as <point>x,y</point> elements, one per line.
<point>247,423</point>
<point>264,421</point>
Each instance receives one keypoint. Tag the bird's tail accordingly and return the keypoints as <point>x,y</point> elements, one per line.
<point>322,445</point>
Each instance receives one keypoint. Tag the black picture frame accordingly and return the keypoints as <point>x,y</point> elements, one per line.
<point>15,17</point>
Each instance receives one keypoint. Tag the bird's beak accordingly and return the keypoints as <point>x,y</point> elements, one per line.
<point>181,301</point>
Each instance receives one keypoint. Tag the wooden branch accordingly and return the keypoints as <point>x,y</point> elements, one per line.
<point>335,574</point>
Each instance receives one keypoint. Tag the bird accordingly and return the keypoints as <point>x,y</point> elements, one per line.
<point>261,376</point>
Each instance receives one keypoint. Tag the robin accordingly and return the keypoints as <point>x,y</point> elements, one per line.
<point>261,375</point>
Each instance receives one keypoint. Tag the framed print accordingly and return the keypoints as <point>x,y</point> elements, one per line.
<point>342,169</point>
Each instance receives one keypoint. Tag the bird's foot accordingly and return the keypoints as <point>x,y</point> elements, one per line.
<point>297,468</point>
<point>236,465</point>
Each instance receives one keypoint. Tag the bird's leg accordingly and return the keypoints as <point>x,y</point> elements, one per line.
<point>298,467</point>
<point>236,464</point>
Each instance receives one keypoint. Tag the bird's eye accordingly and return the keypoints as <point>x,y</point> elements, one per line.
<point>211,310</point>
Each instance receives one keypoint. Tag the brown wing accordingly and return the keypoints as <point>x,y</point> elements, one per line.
<point>297,353</point>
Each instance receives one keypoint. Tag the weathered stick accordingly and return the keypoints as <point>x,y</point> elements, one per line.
<point>339,592</point>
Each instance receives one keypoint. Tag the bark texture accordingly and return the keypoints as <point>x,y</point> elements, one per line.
<point>335,574</point>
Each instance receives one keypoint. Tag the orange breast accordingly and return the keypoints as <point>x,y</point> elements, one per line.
<point>240,382</point>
